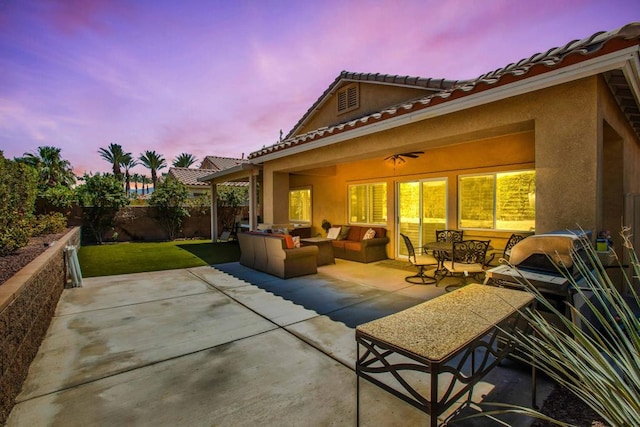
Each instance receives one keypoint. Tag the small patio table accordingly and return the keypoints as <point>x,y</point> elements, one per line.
<point>325,249</point>
<point>455,334</point>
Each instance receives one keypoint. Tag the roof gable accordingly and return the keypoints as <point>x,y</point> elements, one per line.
<point>574,52</point>
<point>216,163</point>
<point>398,89</point>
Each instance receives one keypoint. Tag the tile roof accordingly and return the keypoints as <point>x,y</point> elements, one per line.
<point>429,84</point>
<point>446,90</point>
<point>189,176</point>
<point>220,163</point>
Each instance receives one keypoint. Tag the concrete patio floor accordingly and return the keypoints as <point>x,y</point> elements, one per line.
<point>202,346</point>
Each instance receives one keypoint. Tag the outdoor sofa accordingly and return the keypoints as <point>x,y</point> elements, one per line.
<point>352,245</point>
<point>276,255</point>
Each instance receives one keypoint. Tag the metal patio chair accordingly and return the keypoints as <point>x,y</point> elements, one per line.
<point>447,236</point>
<point>468,258</point>
<point>422,262</point>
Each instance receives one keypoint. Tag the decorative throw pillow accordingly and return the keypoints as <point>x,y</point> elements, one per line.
<point>370,234</point>
<point>289,241</point>
<point>344,233</point>
<point>296,241</point>
<point>333,233</point>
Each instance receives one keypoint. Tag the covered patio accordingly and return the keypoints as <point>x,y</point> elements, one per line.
<point>227,345</point>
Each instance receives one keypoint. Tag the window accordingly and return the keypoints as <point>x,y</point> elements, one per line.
<point>368,203</point>
<point>500,201</point>
<point>300,205</point>
<point>348,98</point>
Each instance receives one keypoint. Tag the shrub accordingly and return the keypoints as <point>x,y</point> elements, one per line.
<point>18,187</point>
<point>50,223</point>
<point>101,196</point>
<point>55,199</point>
<point>599,362</point>
<point>169,199</point>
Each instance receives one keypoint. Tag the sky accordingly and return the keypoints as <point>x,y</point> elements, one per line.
<point>213,77</point>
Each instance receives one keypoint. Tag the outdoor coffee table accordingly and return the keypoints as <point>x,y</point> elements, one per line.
<point>325,249</point>
<point>440,336</point>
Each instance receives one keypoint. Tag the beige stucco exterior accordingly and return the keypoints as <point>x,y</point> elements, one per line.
<point>585,154</point>
<point>571,114</point>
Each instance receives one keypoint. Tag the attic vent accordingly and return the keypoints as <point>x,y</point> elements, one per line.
<point>348,98</point>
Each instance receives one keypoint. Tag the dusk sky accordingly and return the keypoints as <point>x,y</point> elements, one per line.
<point>223,77</point>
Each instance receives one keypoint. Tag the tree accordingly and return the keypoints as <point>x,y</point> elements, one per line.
<point>154,162</point>
<point>101,196</point>
<point>52,168</point>
<point>114,155</point>
<point>145,184</point>
<point>55,179</point>
<point>128,162</point>
<point>169,198</point>
<point>184,160</point>
<point>136,178</point>
<point>18,183</point>
<point>231,198</point>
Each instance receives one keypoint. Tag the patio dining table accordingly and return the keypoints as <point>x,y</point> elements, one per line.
<point>441,246</point>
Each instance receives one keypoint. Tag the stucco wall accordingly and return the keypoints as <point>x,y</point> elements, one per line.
<point>509,152</point>
<point>562,124</point>
<point>27,302</point>
<point>620,153</point>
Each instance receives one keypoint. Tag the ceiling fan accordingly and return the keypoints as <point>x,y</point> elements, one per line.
<point>401,157</point>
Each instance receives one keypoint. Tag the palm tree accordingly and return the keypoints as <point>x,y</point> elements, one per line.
<point>136,178</point>
<point>184,160</point>
<point>154,162</point>
<point>128,163</point>
<point>145,184</point>
<point>52,169</point>
<point>114,155</point>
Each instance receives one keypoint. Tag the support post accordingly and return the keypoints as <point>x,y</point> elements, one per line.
<point>214,212</point>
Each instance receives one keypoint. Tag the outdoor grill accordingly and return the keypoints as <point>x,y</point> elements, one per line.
<point>546,261</point>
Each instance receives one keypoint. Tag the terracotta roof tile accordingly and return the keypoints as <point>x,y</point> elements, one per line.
<point>217,163</point>
<point>190,176</point>
<point>445,90</point>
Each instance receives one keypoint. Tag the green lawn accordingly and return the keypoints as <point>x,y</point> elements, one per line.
<point>123,258</point>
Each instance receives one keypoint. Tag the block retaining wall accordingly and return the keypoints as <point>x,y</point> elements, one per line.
<point>28,302</point>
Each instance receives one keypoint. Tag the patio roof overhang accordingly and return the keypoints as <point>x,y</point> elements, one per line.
<point>239,172</point>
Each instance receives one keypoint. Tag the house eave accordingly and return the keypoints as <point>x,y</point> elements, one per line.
<point>227,173</point>
<point>625,59</point>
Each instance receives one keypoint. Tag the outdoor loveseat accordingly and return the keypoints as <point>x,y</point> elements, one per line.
<point>273,254</point>
<point>352,245</point>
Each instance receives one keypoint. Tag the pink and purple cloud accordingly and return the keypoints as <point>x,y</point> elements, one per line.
<point>223,78</point>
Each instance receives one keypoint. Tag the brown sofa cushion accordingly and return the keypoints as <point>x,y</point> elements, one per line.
<point>353,246</point>
<point>354,234</point>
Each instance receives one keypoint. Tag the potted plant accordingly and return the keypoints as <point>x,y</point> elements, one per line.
<point>326,225</point>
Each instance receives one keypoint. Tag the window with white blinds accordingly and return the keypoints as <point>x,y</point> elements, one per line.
<point>368,203</point>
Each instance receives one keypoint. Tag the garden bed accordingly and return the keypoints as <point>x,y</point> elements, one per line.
<point>11,264</point>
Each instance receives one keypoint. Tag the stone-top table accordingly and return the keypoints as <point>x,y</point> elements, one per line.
<point>440,336</point>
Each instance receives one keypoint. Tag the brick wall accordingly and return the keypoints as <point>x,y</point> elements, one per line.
<point>27,303</point>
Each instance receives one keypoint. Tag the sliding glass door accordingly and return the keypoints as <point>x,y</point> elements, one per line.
<point>421,210</point>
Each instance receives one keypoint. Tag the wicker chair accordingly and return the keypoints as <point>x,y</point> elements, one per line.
<point>422,262</point>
